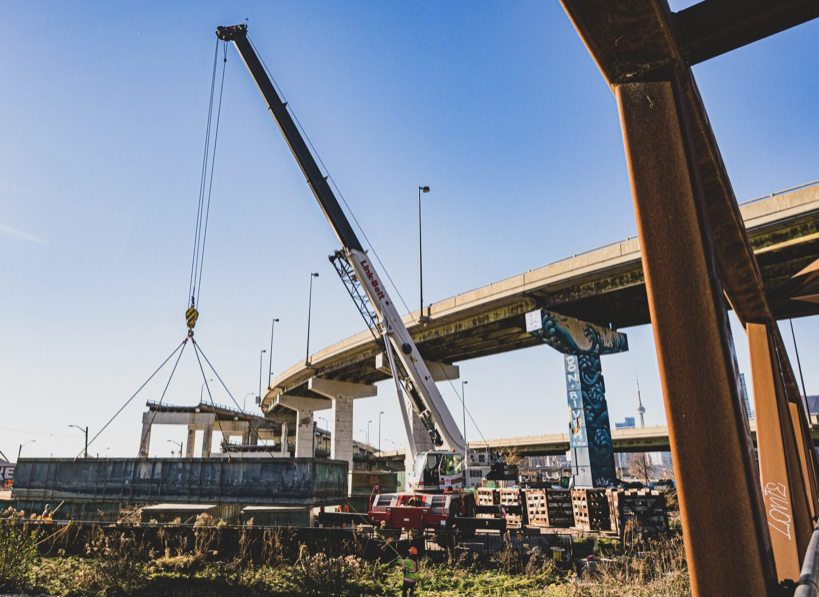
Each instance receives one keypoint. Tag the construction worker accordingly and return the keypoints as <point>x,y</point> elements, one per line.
<point>409,566</point>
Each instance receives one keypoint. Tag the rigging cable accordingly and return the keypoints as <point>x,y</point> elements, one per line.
<point>199,351</point>
<point>352,215</point>
<point>148,433</point>
<point>202,179</point>
<point>332,181</point>
<point>206,183</point>
<point>127,402</point>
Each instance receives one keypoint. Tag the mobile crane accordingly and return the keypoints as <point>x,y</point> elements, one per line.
<point>452,465</point>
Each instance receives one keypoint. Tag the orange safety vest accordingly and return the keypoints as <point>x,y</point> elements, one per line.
<point>410,569</point>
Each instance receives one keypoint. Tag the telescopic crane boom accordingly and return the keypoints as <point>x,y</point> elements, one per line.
<point>357,271</point>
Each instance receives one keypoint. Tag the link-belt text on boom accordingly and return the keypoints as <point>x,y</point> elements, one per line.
<point>371,278</point>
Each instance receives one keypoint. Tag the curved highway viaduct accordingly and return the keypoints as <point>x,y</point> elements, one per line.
<point>605,286</point>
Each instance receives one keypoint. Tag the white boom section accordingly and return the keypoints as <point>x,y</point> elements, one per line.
<point>415,367</point>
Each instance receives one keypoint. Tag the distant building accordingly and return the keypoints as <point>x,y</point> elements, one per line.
<point>743,390</point>
<point>628,423</point>
<point>813,408</point>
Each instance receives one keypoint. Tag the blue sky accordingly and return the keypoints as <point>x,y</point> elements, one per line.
<point>497,107</point>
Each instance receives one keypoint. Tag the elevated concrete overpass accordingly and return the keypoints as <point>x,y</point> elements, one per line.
<point>641,439</point>
<point>604,286</point>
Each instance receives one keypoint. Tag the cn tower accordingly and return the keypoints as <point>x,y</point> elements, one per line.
<point>641,410</point>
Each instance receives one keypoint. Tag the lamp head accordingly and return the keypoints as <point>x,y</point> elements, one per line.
<point>424,189</point>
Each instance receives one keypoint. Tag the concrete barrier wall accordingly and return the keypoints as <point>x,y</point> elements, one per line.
<point>273,481</point>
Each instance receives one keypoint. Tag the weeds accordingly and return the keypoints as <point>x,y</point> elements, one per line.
<point>159,562</point>
<point>18,553</point>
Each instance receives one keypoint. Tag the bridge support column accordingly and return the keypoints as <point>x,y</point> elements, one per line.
<point>341,440</point>
<point>304,434</point>
<point>284,447</point>
<point>207,439</point>
<point>190,447</point>
<point>582,344</point>
<point>145,437</point>
<point>304,407</point>
<point>783,484</point>
<point>717,481</point>
<point>342,394</point>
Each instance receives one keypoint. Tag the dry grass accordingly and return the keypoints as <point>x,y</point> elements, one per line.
<point>114,563</point>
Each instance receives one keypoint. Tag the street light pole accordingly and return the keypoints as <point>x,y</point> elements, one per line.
<point>379,430</point>
<point>309,313</point>
<point>84,430</point>
<point>420,254</point>
<point>180,444</point>
<point>463,403</point>
<point>368,433</point>
<point>20,449</point>
<point>202,389</point>
<point>261,355</point>
<point>270,356</point>
<point>244,402</point>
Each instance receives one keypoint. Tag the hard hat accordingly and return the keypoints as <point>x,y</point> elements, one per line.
<point>413,551</point>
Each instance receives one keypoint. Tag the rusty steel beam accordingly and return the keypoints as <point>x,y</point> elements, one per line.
<point>783,486</point>
<point>720,498</point>
<point>636,40</point>
<point>714,27</point>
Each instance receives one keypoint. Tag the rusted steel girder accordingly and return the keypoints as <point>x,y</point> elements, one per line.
<point>714,27</point>
<point>719,490</point>
<point>783,485</point>
<point>637,40</point>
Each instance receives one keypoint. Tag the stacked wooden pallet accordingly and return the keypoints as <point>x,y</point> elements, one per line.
<point>559,508</point>
<point>591,509</point>
<point>646,507</point>
<point>536,507</point>
<point>549,507</point>
<point>511,503</point>
<point>487,502</point>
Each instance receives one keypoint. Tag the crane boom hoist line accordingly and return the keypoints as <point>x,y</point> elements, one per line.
<point>363,283</point>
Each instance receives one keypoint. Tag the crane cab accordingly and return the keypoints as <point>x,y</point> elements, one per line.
<point>436,471</point>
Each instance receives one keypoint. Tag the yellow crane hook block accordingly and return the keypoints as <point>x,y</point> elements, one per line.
<point>191,315</point>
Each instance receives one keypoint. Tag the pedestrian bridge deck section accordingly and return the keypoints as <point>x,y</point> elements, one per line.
<point>305,482</point>
<point>605,286</point>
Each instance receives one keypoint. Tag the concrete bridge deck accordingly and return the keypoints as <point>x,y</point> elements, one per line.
<point>603,286</point>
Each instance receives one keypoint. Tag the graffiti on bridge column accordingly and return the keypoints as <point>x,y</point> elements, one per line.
<point>582,343</point>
